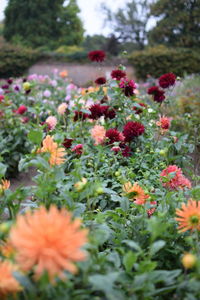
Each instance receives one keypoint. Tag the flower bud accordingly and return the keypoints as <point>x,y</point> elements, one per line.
<point>189,260</point>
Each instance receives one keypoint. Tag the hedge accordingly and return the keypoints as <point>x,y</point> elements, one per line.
<point>14,60</point>
<point>159,60</point>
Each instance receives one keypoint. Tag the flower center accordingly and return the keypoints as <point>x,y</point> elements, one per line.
<point>194,220</point>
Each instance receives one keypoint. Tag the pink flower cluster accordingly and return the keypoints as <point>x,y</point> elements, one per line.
<point>175,178</point>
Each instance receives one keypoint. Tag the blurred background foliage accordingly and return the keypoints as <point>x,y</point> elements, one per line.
<point>54,30</point>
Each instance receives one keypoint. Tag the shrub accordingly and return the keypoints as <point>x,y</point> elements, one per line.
<point>14,61</point>
<point>159,60</point>
<point>68,49</point>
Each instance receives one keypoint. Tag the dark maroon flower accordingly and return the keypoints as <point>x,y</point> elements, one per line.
<point>114,135</point>
<point>108,112</point>
<point>79,115</point>
<point>96,111</point>
<point>118,74</point>
<point>128,87</point>
<point>21,110</point>
<point>139,110</point>
<point>28,91</point>
<point>7,92</point>
<point>16,88</point>
<point>67,143</point>
<point>24,79</point>
<point>167,80</point>
<point>97,55</point>
<point>100,80</point>
<point>78,149</point>
<point>132,129</point>
<point>153,90</point>
<point>9,81</point>
<point>126,151</point>
<point>5,86</point>
<point>158,95</point>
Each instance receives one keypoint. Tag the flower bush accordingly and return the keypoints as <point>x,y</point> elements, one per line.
<point>114,212</point>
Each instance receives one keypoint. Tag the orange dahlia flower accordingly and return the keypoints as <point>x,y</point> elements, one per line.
<point>8,284</point>
<point>48,241</point>
<point>56,153</point>
<point>98,134</point>
<point>136,193</point>
<point>5,184</point>
<point>188,216</point>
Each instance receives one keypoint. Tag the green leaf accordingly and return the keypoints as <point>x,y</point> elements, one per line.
<point>132,245</point>
<point>156,246</point>
<point>35,136</point>
<point>129,260</point>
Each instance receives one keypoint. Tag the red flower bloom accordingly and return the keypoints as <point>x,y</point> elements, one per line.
<point>128,87</point>
<point>67,143</point>
<point>139,110</point>
<point>132,129</point>
<point>158,95</point>
<point>176,179</point>
<point>97,55</point>
<point>1,98</point>
<point>9,81</point>
<point>118,74</point>
<point>167,80</point>
<point>96,111</point>
<point>25,120</point>
<point>114,136</point>
<point>153,90</point>
<point>21,110</point>
<point>108,112</point>
<point>79,115</point>
<point>100,80</point>
<point>78,149</point>
<point>126,151</point>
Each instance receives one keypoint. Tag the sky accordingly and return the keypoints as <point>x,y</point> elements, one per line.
<point>90,14</point>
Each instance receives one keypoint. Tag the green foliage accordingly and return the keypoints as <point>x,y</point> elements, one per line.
<point>15,60</point>
<point>68,49</point>
<point>40,23</point>
<point>159,60</point>
<point>178,23</point>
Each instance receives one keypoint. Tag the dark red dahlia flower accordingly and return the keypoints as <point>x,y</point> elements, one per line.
<point>128,87</point>
<point>153,90</point>
<point>126,151</point>
<point>108,112</point>
<point>97,55</point>
<point>100,80</point>
<point>139,110</point>
<point>21,110</point>
<point>132,129</point>
<point>114,135</point>
<point>158,95</point>
<point>167,80</point>
<point>79,115</point>
<point>9,81</point>
<point>118,74</point>
<point>96,111</point>
<point>67,143</point>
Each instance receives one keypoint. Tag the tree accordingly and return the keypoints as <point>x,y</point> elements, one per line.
<point>130,24</point>
<point>41,23</point>
<point>178,23</point>
<point>71,26</point>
